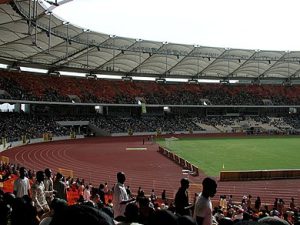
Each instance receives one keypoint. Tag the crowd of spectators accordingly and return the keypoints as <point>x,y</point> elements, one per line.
<point>39,198</point>
<point>15,125</point>
<point>26,86</point>
<point>168,124</point>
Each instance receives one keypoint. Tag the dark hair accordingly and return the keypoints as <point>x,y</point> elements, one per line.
<point>58,205</point>
<point>163,217</point>
<point>131,212</point>
<point>209,182</point>
<point>39,175</point>
<point>184,182</point>
<point>48,172</point>
<point>186,220</point>
<point>81,215</point>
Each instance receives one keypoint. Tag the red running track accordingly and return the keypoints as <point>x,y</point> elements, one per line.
<point>97,160</point>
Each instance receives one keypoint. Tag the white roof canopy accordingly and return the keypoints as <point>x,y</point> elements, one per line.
<point>37,38</point>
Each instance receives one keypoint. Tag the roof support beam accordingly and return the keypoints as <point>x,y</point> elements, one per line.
<point>272,66</point>
<point>210,65</point>
<point>170,69</point>
<point>115,56</point>
<point>242,64</point>
<point>146,60</point>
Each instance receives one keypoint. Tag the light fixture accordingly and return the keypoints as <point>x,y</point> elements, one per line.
<point>193,81</point>
<point>127,78</point>
<point>160,80</point>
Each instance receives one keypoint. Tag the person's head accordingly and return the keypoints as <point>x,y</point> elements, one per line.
<point>101,186</point>
<point>58,205</point>
<point>185,183</point>
<point>209,187</point>
<point>95,198</point>
<point>121,177</point>
<point>23,172</point>
<point>270,220</point>
<point>58,176</point>
<point>163,217</point>
<point>186,220</point>
<point>81,215</point>
<point>131,212</point>
<point>48,172</point>
<point>40,176</point>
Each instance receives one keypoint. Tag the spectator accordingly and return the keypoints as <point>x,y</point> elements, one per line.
<point>81,215</point>
<point>203,205</point>
<point>131,215</point>
<point>22,185</point>
<point>257,204</point>
<point>182,205</point>
<point>39,195</point>
<point>48,185</point>
<point>120,197</point>
<point>163,217</point>
<point>87,193</point>
<point>101,193</point>
<point>60,187</point>
<point>56,206</point>
<point>164,196</point>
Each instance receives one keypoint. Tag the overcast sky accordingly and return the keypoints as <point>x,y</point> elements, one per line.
<point>250,24</point>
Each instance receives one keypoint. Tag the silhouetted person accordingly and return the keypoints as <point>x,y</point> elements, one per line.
<point>203,205</point>
<point>182,206</point>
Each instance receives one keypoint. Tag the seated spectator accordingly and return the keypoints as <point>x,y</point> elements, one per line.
<point>131,215</point>
<point>56,206</point>
<point>163,217</point>
<point>81,215</point>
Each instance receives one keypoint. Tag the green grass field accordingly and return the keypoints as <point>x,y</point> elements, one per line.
<point>259,153</point>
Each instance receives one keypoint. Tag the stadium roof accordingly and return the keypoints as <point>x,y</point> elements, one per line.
<point>34,37</point>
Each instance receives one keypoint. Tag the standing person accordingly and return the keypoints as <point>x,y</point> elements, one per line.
<point>22,185</point>
<point>106,190</point>
<point>128,191</point>
<point>182,205</point>
<point>164,196</point>
<point>203,205</point>
<point>39,195</point>
<point>249,203</point>
<point>120,196</point>
<point>257,204</point>
<point>102,193</point>
<point>292,204</point>
<point>87,193</point>
<point>60,187</point>
<point>48,182</point>
<point>153,196</point>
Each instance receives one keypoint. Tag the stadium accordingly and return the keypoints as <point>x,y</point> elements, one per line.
<point>89,104</point>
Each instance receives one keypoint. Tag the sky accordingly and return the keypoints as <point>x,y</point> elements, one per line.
<point>245,24</point>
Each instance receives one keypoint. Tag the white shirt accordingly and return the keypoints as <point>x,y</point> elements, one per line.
<point>203,208</point>
<point>119,195</point>
<point>86,194</point>
<point>21,187</point>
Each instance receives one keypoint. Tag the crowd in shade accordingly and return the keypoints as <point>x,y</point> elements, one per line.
<point>39,198</point>
<point>27,86</point>
<point>15,125</point>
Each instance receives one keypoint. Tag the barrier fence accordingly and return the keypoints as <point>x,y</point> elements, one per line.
<point>193,170</point>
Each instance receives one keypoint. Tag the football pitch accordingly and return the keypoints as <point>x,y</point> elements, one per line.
<point>213,155</point>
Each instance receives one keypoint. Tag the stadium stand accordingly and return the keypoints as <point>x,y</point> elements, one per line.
<point>54,88</point>
<point>65,106</point>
